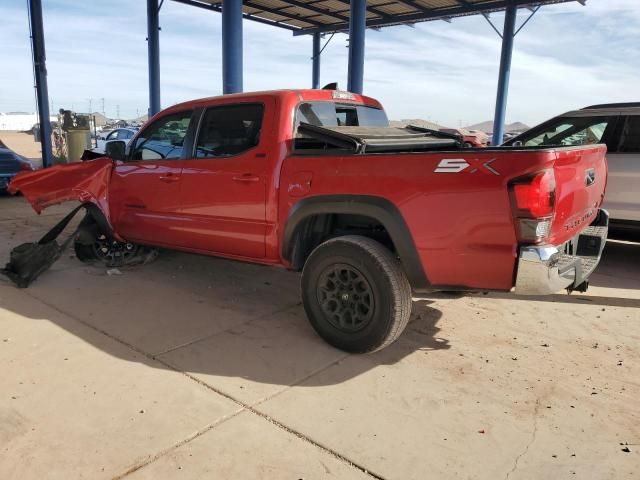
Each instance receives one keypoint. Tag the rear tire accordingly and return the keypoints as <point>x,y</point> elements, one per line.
<point>355,294</point>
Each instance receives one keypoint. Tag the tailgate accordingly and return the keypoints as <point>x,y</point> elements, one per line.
<point>581,178</point>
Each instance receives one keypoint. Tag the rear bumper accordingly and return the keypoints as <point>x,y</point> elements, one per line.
<point>547,269</point>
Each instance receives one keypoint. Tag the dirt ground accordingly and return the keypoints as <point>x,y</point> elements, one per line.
<point>196,367</point>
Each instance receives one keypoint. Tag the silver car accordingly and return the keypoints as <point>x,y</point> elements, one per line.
<point>125,134</point>
<point>618,126</point>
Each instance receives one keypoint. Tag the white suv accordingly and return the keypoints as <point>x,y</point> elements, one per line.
<point>618,126</point>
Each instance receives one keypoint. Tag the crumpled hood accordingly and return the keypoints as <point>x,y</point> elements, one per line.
<point>83,182</point>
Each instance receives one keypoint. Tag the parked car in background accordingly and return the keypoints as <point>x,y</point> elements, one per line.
<point>11,164</point>
<point>618,126</point>
<point>475,139</point>
<point>125,134</point>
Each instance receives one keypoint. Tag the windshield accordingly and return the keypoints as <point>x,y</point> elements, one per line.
<point>331,114</point>
<point>567,131</point>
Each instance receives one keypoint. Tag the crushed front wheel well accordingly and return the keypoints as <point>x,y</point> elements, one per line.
<point>93,216</point>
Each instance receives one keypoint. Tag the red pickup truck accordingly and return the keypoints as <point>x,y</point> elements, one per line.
<point>317,181</point>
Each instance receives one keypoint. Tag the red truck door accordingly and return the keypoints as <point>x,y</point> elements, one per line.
<point>224,185</point>
<point>144,191</point>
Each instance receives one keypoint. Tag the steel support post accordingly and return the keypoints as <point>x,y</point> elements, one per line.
<point>315,73</point>
<point>231,46</point>
<point>40,73</point>
<point>357,28</point>
<point>508,34</point>
<point>153,52</point>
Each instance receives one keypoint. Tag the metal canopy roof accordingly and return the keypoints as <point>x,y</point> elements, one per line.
<point>311,16</point>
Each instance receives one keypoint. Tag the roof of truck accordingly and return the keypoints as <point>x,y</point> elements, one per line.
<point>308,95</point>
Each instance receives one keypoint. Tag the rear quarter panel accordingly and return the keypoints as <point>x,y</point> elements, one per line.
<point>461,223</point>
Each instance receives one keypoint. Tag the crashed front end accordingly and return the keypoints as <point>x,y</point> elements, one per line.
<point>86,183</point>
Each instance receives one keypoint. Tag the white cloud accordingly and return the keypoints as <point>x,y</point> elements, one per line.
<point>566,57</point>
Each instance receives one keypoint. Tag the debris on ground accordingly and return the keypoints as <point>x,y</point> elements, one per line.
<point>29,260</point>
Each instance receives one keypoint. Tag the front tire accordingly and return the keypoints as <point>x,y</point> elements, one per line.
<point>91,246</point>
<point>355,294</point>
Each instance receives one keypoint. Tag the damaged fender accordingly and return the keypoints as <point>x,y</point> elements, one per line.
<point>86,182</point>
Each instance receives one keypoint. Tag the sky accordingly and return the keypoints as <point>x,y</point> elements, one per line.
<point>567,56</point>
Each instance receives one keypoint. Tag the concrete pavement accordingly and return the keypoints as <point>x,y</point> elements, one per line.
<point>196,367</point>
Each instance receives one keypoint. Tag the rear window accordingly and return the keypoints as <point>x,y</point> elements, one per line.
<point>331,114</point>
<point>568,131</point>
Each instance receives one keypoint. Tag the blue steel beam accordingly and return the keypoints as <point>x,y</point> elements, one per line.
<point>434,14</point>
<point>315,74</point>
<point>40,73</point>
<point>153,52</point>
<point>231,46</point>
<point>218,8</point>
<point>357,29</point>
<point>508,34</point>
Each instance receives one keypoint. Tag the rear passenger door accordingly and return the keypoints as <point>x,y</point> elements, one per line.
<point>622,198</point>
<point>223,193</point>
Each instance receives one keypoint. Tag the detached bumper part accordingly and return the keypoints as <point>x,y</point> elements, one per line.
<point>547,269</point>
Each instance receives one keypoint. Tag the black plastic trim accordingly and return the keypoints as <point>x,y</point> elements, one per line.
<point>377,208</point>
<point>99,217</point>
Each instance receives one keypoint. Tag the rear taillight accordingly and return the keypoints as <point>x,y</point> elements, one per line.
<point>533,201</point>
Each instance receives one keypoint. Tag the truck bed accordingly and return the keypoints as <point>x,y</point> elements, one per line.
<point>364,140</point>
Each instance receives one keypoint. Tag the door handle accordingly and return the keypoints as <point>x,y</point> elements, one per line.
<point>247,178</point>
<point>169,178</point>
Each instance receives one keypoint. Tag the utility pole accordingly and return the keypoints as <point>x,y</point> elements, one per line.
<point>117,112</point>
<point>102,105</point>
<point>90,105</point>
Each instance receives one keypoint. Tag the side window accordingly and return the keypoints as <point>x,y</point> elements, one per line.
<point>229,130</point>
<point>124,135</point>
<point>570,131</point>
<point>163,139</point>
<point>113,135</point>
<point>630,140</point>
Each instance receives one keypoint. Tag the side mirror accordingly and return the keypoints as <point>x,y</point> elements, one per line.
<point>116,149</point>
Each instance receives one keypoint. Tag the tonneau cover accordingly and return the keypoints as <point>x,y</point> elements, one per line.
<point>382,139</point>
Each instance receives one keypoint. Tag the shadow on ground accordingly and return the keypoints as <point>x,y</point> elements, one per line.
<point>223,319</point>
<point>206,316</point>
